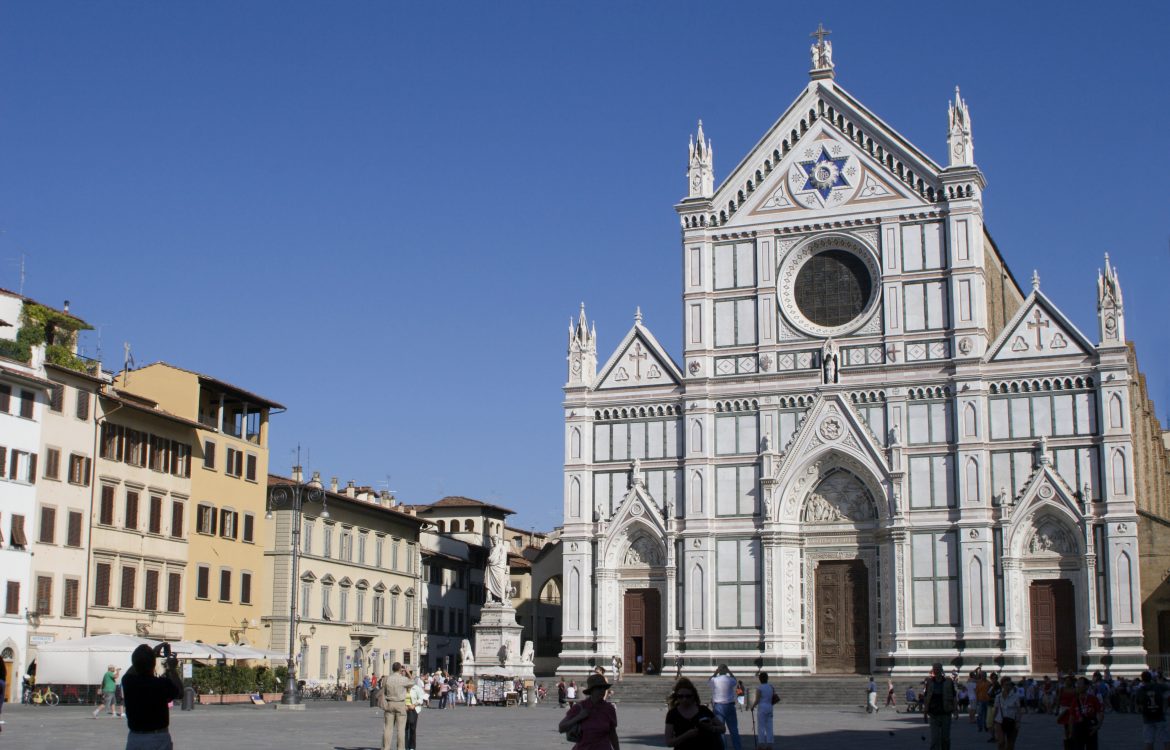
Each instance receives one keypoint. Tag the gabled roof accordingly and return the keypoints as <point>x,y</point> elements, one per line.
<point>458,501</point>
<point>652,365</point>
<point>1056,337</point>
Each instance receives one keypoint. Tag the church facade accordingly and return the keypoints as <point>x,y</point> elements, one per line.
<point>877,448</point>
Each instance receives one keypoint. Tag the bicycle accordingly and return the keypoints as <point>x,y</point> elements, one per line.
<point>45,697</point>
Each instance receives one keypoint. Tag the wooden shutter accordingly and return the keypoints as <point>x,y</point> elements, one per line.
<point>101,588</point>
<point>251,474</point>
<point>132,510</point>
<point>52,463</point>
<point>174,582</point>
<point>155,514</point>
<point>202,582</point>
<point>82,404</point>
<point>56,398</point>
<point>208,454</point>
<point>44,595</point>
<point>225,585</point>
<point>48,525</point>
<point>12,603</point>
<point>176,519</point>
<point>73,538</point>
<point>106,516</point>
<point>18,537</point>
<point>235,524</point>
<point>72,589</point>
<point>5,398</point>
<point>245,588</point>
<point>32,468</point>
<point>3,460</point>
<point>151,603</point>
<point>128,574</point>
<point>28,398</point>
<point>249,527</point>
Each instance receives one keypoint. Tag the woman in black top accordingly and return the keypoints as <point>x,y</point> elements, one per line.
<point>689,725</point>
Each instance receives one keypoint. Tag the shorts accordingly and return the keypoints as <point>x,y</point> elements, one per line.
<point>1155,733</point>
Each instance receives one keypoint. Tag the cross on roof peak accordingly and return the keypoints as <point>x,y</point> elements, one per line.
<point>821,33</point>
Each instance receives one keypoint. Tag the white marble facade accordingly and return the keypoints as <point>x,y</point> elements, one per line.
<point>863,379</point>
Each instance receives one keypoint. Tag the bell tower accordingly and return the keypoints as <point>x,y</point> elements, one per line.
<point>582,351</point>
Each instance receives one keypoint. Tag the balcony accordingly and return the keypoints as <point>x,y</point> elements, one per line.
<point>363,630</point>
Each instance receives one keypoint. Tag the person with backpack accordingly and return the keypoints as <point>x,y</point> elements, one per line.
<point>939,706</point>
<point>1151,702</point>
<point>1007,714</point>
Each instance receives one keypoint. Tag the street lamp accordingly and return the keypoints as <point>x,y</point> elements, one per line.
<point>293,497</point>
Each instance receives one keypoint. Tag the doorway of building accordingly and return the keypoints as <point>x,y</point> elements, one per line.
<point>842,617</point>
<point>641,624</point>
<point>1054,626</point>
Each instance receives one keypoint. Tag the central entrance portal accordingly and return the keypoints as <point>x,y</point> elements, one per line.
<point>842,619</point>
<point>1054,626</point>
<point>642,627</point>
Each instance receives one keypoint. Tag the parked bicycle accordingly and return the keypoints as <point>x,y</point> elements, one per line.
<point>45,697</point>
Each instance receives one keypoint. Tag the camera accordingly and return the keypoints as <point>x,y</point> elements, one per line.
<point>163,651</point>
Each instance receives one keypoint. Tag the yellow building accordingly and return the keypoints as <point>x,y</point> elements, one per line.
<point>228,592</point>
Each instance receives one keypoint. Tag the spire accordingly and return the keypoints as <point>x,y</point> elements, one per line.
<point>822,54</point>
<point>638,316</point>
<point>1035,280</point>
<point>1110,309</point>
<point>700,166</point>
<point>959,142</point>
<point>582,350</point>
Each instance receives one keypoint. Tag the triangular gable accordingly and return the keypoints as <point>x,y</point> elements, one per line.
<point>888,167</point>
<point>639,361</point>
<point>1044,491</point>
<point>637,508</point>
<point>832,423</point>
<point>1038,329</point>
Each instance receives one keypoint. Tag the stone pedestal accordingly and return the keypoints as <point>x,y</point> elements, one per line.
<point>498,651</point>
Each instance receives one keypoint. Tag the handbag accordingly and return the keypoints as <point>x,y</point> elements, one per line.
<point>775,698</point>
<point>574,733</point>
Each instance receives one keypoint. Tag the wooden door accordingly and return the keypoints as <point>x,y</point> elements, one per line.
<point>1054,626</point>
<point>642,626</point>
<point>842,617</point>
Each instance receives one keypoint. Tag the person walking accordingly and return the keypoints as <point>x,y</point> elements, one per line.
<point>1150,700</point>
<point>938,707</point>
<point>147,697</point>
<point>740,696</point>
<point>471,699</point>
<point>871,706</point>
<point>595,718</point>
<point>415,700</point>
<point>764,705</point>
<point>562,692</point>
<point>982,700</point>
<point>571,692</point>
<point>1089,715</point>
<point>723,699</point>
<point>690,725</point>
<point>109,687</point>
<point>394,687</point>
<point>890,697</point>
<point>1007,714</point>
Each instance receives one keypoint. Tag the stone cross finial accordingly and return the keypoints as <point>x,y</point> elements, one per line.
<point>822,51</point>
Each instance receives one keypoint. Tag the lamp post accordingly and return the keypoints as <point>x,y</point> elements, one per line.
<point>293,497</point>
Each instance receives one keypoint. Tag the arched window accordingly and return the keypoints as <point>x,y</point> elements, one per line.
<point>575,498</point>
<point>469,525</point>
<point>441,526</point>
<point>575,443</point>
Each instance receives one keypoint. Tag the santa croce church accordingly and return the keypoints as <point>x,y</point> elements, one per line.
<point>878,448</point>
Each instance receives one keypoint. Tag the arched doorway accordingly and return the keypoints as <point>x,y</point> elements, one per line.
<point>8,667</point>
<point>1050,565</point>
<point>642,579</point>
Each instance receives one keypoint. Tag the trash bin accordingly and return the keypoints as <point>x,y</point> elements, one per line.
<point>189,699</point>
<point>373,699</point>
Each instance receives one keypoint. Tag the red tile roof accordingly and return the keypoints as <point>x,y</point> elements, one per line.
<point>222,384</point>
<point>275,480</point>
<point>458,501</point>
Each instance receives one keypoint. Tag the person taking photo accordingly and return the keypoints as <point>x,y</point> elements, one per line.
<point>146,696</point>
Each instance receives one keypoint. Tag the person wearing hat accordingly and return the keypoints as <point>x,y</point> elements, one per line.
<point>594,719</point>
<point>938,706</point>
<point>148,698</point>
<point>109,687</point>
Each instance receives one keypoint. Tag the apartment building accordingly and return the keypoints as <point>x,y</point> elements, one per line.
<point>357,584</point>
<point>224,601</point>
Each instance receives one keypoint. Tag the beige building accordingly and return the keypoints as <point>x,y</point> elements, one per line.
<point>227,593</point>
<point>140,523</point>
<point>357,583</point>
<point>60,542</point>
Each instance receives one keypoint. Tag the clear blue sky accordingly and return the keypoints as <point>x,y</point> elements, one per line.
<point>383,214</point>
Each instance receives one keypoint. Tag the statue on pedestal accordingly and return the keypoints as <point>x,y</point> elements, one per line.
<point>495,578</point>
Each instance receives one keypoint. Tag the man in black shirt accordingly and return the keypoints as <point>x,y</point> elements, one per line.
<point>146,697</point>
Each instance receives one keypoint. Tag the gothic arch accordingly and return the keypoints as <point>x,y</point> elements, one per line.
<point>977,599</point>
<point>1047,531</point>
<point>696,598</point>
<point>1116,413</point>
<point>970,421</point>
<point>1123,568</point>
<point>636,545</point>
<point>575,497</point>
<point>804,481</point>
<point>971,481</point>
<point>696,492</point>
<point>838,496</point>
<point>696,436</point>
<point>575,443</point>
<point>1117,468</point>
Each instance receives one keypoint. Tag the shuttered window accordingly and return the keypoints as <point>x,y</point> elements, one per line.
<point>245,588</point>
<point>18,537</point>
<point>155,514</point>
<point>52,463</point>
<point>205,519</point>
<point>202,582</point>
<point>5,398</point>
<point>73,536</point>
<point>72,592</point>
<point>151,603</point>
<point>131,521</point>
<point>174,590</point>
<point>101,586</point>
<point>250,472</point>
<point>79,467</point>
<point>27,398</point>
<point>249,527</point>
<point>12,600</point>
<point>176,519</point>
<point>225,585</point>
<point>48,525</point>
<point>83,404</point>
<point>208,454</point>
<point>106,512</point>
<point>128,576</point>
<point>44,602</point>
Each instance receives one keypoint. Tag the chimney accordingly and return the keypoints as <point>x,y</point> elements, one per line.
<point>66,305</point>
<point>298,474</point>
<point>384,498</point>
<point>333,484</point>
<point>350,490</point>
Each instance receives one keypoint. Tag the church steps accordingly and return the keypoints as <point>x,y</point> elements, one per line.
<point>810,690</point>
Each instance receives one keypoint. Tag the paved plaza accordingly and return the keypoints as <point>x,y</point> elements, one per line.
<point>333,726</point>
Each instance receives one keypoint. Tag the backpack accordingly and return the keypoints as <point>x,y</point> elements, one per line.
<point>1152,710</point>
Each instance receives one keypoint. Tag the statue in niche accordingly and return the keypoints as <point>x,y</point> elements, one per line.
<point>839,496</point>
<point>643,551</point>
<point>829,362</point>
<point>1051,538</point>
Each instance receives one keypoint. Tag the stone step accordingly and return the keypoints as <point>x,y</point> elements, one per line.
<point>848,690</point>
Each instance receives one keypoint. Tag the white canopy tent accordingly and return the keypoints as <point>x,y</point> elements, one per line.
<point>83,661</point>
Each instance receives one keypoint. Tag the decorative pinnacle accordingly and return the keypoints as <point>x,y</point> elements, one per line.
<point>1035,280</point>
<point>638,316</point>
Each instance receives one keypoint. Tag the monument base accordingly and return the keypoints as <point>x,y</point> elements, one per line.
<point>498,651</point>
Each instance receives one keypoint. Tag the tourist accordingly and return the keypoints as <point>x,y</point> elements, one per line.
<point>3,692</point>
<point>616,663</point>
<point>871,706</point>
<point>1088,716</point>
<point>972,701</point>
<point>394,688</point>
<point>913,702</point>
<point>1007,714</point>
<point>571,692</point>
<point>444,692</point>
<point>690,725</point>
<point>148,697</point>
<point>471,699</point>
<point>740,695</point>
<point>109,687</point>
<point>938,707</point>
<point>765,700</point>
<point>1150,700</point>
<point>594,719</point>
<point>562,692</point>
<point>119,698</point>
<point>723,701</point>
<point>678,665</point>
<point>1066,700</point>
<point>415,699</point>
<point>890,699</point>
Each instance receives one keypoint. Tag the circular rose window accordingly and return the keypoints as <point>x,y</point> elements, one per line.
<point>829,286</point>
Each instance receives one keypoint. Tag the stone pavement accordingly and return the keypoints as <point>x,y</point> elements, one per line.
<point>342,726</point>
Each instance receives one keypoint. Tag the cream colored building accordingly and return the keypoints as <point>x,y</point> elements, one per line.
<point>356,595</point>
<point>140,523</point>
<point>227,592</point>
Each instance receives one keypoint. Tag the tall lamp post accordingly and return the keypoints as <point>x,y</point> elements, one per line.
<point>293,497</point>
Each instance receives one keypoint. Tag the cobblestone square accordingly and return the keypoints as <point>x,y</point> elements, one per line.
<point>333,726</point>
